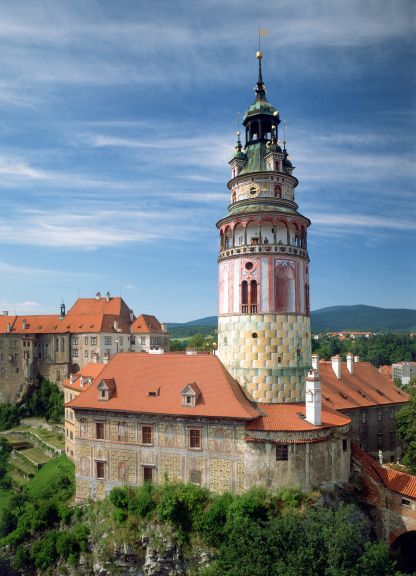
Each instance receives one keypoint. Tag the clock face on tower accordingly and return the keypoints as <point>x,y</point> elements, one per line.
<point>253,190</point>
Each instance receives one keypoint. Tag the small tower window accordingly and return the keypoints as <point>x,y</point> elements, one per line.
<point>244,297</point>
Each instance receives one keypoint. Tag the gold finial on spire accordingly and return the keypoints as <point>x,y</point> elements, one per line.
<point>284,133</point>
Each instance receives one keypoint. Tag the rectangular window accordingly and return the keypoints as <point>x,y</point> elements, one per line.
<point>71,435</point>
<point>380,440</point>
<point>379,415</point>
<point>344,444</point>
<point>363,417</point>
<point>93,340</point>
<point>62,344</point>
<point>107,340</point>
<point>13,343</point>
<point>146,434</point>
<point>99,430</point>
<point>121,340</point>
<point>100,470</point>
<point>147,473</point>
<point>195,438</point>
<point>75,340</point>
<point>132,340</point>
<point>392,439</point>
<point>75,353</point>
<point>142,339</point>
<point>406,502</point>
<point>56,345</point>
<point>122,432</point>
<point>86,353</point>
<point>391,413</point>
<point>86,340</point>
<point>282,452</point>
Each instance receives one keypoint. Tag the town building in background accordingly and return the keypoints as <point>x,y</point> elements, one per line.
<point>53,346</point>
<point>403,371</point>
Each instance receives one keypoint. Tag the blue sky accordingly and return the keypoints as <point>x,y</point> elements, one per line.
<point>118,120</point>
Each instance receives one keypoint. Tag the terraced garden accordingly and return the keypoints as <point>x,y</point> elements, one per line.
<point>35,443</point>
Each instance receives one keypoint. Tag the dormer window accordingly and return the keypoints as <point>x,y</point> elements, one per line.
<point>191,394</point>
<point>106,389</point>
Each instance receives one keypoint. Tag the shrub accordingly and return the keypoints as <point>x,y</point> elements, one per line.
<point>43,552</point>
<point>211,523</point>
<point>181,504</point>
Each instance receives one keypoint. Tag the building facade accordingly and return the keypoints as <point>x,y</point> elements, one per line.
<point>403,371</point>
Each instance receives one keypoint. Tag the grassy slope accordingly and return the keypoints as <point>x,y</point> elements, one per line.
<point>47,474</point>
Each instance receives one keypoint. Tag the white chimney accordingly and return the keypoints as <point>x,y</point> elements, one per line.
<point>131,316</point>
<point>5,312</point>
<point>315,362</point>
<point>336,365</point>
<point>164,328</point>
<point>95,358</point>
<point>8,328</point>
<point>191,352</point>
<point>313,398</point>
<point>356,358</point>
<point>71,378</point>
<point>350,362</point>
<point>105,358</point>
<point>24,324</point>
<point>115,324</point>
<point>98,296</point>
<point>108,297</point>
<point>156,350</point>
<point>81,382</point>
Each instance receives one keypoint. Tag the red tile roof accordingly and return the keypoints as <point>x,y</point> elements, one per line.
<point>91,370</point>
<point>113,306</point>
<point>393,479</point>
<point>366,387</point>
<point>137,374</point>
<point>146,324</point>
<point>34,324</point>
<point>291,418</point>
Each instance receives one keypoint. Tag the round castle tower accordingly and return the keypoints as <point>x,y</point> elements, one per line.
<point>263,324</point>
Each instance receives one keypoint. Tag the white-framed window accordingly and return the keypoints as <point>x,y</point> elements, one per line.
<point>107,340</point>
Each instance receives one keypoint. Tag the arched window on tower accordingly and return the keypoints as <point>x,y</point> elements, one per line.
<point>278,191</point>
<point>253,297</point>
<point>254,130</point>
<point>244,297</point>
<point>307,310</point>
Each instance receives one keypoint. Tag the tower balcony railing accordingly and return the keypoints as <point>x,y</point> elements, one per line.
<point>264,249</point>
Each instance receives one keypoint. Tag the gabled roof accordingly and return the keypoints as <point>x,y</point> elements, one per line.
<point>90,306</point>
<point>192,388</point>
<point>106,384</point>
<point>91,370</point>
<point>393,479</point>
<point>365,387</point>
<point>290,417</point>
<point>134,374</point>
<point>146,324</point>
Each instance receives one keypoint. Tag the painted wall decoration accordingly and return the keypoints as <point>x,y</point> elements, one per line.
<point>285,291</point>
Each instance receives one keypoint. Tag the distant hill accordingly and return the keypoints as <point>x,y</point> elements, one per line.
<point>361,317</point>
<point>332,319</point>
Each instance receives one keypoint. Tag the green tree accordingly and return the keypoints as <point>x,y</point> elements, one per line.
<point>406,427</point>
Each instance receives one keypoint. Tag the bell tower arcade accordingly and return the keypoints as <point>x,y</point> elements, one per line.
<point>264,318</point>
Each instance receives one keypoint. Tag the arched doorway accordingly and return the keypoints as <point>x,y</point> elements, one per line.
<point>403,550</point>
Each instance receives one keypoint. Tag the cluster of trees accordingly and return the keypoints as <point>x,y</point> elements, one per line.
<point>38,526</point>
<point>260,533</point>
<point>199,342</point>
<point>380,349</point>
<point>46,401</point>
<point>406,427</point>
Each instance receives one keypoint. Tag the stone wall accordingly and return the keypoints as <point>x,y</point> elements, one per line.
<point>269,355</point>
<point>227,460</point>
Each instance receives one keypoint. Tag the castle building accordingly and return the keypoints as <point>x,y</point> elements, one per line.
<point>55,345</point>
<point>264,325</point>
<point>253,414</point>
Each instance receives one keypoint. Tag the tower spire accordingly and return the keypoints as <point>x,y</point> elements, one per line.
<point>260,88</point>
